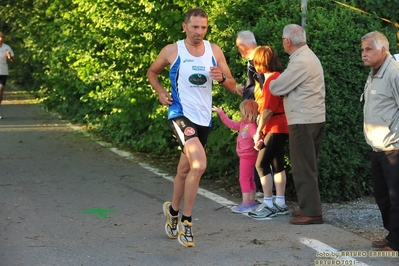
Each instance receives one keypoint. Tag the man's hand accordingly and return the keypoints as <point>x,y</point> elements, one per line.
<point>216,74</point>
<point>165,98</point>
<point>9,56</point>
<point>240,90</point>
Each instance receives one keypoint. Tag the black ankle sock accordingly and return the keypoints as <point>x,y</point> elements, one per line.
<point>185,218</point>
<point>172,211</point>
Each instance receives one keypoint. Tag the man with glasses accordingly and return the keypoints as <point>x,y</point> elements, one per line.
<point>302,86</point>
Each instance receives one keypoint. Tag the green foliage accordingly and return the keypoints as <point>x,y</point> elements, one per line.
<point>387,11</point>
<point>87,59</point>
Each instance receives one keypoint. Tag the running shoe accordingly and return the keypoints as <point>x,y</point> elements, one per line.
<point>1,117</point>
<point>171,221</point>
<point>263,212</point>
<point>281,210</point>
<point>244,208</point>
<point>185,235</point>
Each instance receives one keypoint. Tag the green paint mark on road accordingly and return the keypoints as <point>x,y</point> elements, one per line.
<point>102,213</point>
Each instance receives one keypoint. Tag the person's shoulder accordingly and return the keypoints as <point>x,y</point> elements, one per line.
<point>304,50</point>
<point>170,47</point>
<point>167,55</point>
<point>169,52</point>
<point>394,65</point>
<point>304,54</point>
<point>4,45</point>
<point>253,126</point>
<point>212,44</point>
<point>215,47</point>
<point>276,74</point>
<point>217,51</point>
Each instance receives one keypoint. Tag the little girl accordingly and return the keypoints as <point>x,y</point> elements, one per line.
<point>245,150</point>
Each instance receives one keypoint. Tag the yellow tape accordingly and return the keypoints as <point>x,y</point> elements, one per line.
<point>396,24</point>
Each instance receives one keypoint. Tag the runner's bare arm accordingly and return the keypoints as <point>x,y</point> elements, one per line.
<point>222,68</point>
<point>165,57</point>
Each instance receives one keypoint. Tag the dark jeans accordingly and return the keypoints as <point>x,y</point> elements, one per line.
<point>305,143</point>
<point>385,170</point>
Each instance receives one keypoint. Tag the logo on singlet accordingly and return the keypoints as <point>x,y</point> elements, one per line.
<point>197,79</point>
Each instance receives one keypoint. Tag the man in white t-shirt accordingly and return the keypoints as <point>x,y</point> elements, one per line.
<point>5,53</point>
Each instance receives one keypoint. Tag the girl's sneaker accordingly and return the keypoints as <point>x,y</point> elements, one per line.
<point>244,208</point>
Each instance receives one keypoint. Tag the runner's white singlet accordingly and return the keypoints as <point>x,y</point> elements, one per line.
<point>192,85</point>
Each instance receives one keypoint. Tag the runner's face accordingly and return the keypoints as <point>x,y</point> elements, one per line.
<point>196,29</point>
<point>1,37</point>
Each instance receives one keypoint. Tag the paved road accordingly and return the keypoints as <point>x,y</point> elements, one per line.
<point>66,199</point>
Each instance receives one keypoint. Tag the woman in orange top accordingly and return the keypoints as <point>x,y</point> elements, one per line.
<point>273,129</point>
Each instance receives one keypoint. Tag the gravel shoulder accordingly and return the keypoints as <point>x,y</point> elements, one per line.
<point>360,216</point>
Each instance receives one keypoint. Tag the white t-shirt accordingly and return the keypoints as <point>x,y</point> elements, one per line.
<point>3,58</point>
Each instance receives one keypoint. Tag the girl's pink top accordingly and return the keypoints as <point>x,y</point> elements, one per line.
<point>245,138</point>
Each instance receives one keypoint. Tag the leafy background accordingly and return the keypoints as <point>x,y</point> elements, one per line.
<point>87,60</point>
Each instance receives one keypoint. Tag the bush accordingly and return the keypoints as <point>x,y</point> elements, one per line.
<point>90,66</point>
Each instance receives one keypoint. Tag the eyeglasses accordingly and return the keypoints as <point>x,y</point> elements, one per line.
<point>282,38</point>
